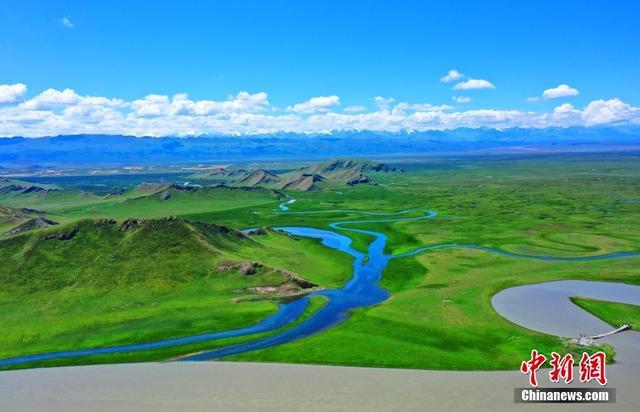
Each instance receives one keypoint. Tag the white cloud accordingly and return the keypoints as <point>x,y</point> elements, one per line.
<point>562,90</point>
<point>461,99</point>
<point>451,76</point>
<point>355,109</point>
<point>153,105</point>
<point>474,84</point>
<point>157,105</point>
<point>383,103</point>
<point>419,107</point>
<point>315,105</point>
<point>609,111</point>
<point>66,22</point>
<point>564,108</point>
<point>565,115</point>
<point>66,112</point>
<point>9,93</point>
<point>52,98</point>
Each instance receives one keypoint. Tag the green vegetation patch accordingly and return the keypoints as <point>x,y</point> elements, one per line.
<point>615,314</point>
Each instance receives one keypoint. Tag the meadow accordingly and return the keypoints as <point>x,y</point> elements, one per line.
<point>439,315</point>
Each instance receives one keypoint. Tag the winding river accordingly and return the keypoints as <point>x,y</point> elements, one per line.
<point>361,290</point>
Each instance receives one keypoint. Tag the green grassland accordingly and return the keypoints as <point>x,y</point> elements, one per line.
<point>615,314</point>
<point>147,201</point>
<point>439,315</point>
<point>168,353</point>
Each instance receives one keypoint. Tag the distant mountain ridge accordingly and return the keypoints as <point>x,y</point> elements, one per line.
<point>258,177</point>
<point>304,182</point>
<point>109,151</point>
<point>350,171</point>
<point>332,173</point>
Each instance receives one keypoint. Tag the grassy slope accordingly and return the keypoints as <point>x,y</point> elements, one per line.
<point>109,286</point>
<point>54,198</point>
<point>615,314</point>
<point>180,203</point>
<point>144,202</point>
<point>328,268</point>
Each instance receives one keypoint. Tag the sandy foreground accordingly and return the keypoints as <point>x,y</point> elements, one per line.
<point>207,386</point>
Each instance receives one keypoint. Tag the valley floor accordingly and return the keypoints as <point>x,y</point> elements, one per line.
<point>181,276</point>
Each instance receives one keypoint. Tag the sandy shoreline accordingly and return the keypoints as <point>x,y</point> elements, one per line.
<point>258,386</point>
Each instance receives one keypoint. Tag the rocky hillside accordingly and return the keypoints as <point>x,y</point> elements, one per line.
<point>13,220</point>
<point>258,177</point>
<point>34,223</point>
<point>9,214</point>
<point>332,173</point>
<point>354,165</point>
<point>304,182</point>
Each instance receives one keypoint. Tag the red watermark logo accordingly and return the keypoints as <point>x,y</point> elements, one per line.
<point>592,367</point>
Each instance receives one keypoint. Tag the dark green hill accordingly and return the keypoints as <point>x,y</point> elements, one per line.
<point>107,254</point>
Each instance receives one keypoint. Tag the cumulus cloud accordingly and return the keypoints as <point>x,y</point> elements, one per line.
<point>451,76</point>
<point>355,109</point>
<point>383,103</point>
<point>461,99</point>
<point>154,105</point>
<point>419,107</point>
<point>562,90</point>
<point>67,112</point>
<point>609,111</point>
<point>565,115</point>
<point>315,105</point>
<point>474,84</point>
<point>52,98</point>
<point>66,22</point>
<point>564,109</point>
<point>9,93</point>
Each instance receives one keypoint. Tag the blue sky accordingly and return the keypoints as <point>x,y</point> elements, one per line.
<point>296,51</point>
